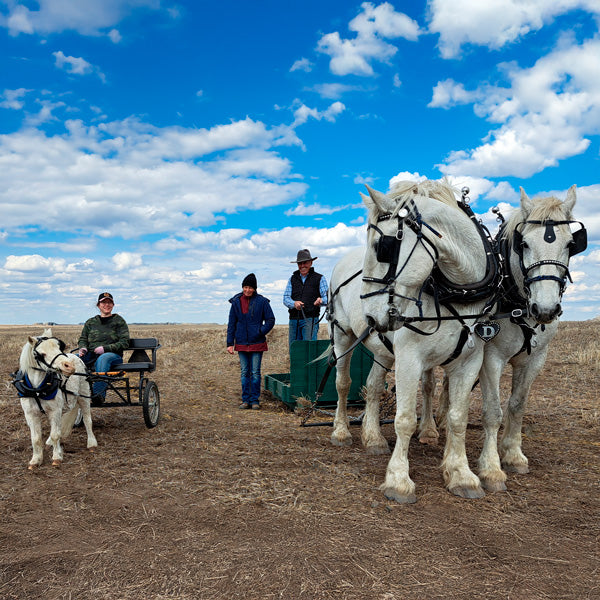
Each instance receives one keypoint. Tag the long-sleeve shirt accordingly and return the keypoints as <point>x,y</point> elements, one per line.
<point>287,294</point>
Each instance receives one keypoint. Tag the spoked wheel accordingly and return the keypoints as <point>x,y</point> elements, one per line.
<point>151,405</point>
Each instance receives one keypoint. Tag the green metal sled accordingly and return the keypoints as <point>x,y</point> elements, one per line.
<point>305,376</point>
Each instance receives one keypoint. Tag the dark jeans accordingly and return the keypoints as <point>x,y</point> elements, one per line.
<point>303,329</point>
<point>250,367</point>
<point>101,363</point>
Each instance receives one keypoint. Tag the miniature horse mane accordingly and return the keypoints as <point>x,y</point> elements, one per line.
<point>27,359</point>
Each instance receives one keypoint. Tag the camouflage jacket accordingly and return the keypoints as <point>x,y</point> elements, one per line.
<point>113,336</point>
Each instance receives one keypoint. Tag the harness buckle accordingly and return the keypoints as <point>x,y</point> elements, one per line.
<point>517,312</point>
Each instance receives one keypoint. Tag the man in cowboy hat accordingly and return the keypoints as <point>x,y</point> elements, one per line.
<point>305,293</point>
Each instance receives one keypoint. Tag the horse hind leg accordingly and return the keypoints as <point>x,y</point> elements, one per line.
<point>428,433</point>
<point>372,438</point>
<point>84,405</point>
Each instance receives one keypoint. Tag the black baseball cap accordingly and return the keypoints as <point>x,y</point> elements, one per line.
<point>105,296</point>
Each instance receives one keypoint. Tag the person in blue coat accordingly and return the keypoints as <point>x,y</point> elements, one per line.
<point>250,319</point>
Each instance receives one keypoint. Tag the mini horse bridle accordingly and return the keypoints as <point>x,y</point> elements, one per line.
<point>40,359</point>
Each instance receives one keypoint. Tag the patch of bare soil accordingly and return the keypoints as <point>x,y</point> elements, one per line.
<point>218,503</point>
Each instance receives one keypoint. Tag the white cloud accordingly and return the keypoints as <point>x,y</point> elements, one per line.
<point>303,113</point>
<point>303,210</point>
<point>128,178</point>
<point>372,26</point>
<point>334,90</point>
<point>302,64</point>
<point>405,176</point>
<point>494,23</point>
<point>126,260</point>
<point>12,98</point>
<point>449,93</point>
<point>546,115</point>
<point>115,36</point>
<point>72,64</point>
<point>86,17</point>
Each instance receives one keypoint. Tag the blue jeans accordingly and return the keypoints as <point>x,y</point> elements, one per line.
<point>303,329</point>
<point>103,362</point>
<point>250,367</point>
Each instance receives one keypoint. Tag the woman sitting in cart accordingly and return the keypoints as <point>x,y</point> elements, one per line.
<point>103,339</point>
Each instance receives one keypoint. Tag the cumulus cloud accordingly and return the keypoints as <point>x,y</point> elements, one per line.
<point>303,113</point>
<point>546,114</point>
<point>126,260</point>
<point>373,25</point>
<point>494,23</point>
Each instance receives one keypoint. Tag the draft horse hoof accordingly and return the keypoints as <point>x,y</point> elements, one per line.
<point>469,493</point>
<point>56,463</point>
<point>392,494</point>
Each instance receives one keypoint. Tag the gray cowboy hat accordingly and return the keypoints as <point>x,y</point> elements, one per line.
<point>303,255</point>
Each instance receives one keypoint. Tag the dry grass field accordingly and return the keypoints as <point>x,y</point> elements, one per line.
<point>218,503</point>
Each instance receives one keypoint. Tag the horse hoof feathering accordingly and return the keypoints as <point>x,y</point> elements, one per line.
<point>378,450</point>
<point>519,469</point>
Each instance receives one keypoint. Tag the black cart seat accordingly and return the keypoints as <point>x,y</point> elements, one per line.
<point>139,359</point>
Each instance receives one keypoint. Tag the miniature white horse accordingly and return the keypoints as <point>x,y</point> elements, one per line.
<point>412,230</point>
<point>49,381</point>
<point>537,243</point>
<point>346,324</point>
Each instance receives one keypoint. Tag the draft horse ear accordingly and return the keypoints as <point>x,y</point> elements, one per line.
<point>32,340</point>
<point>526,204</point>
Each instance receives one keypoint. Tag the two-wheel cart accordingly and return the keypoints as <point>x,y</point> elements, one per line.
<point>129,390</point>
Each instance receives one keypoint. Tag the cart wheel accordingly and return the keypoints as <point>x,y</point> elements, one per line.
<point>151,405</point>
<point>78,419</point>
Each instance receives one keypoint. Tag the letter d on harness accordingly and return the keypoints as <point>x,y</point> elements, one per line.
<point>487,331</point>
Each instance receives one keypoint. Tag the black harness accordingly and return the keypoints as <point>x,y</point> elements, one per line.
<point>443,291</point>
<point>51,383</point>
<point>512,303</point>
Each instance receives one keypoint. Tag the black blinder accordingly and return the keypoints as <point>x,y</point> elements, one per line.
<point>518,242</point>
<point>579,242</point>
<point>385,247</point>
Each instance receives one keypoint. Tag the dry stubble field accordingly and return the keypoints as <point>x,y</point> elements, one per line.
<point>217,503</point>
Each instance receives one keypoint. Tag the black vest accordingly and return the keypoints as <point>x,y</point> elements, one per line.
<point>307,292</point>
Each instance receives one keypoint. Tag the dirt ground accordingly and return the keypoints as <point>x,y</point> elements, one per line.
<point>218,503</point>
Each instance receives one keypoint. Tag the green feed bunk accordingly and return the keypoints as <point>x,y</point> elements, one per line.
<point>305,376</point>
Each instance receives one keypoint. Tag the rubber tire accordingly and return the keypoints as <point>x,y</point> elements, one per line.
<point>151,405</point>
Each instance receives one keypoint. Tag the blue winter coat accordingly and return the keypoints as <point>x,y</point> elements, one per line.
<point>252,327</point>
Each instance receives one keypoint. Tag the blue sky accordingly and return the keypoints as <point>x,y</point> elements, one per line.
<point>162,150</point>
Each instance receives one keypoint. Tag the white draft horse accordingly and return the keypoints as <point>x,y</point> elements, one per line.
<point>347,323</point>
<point>536,243</point>
<point>417,227</point>
<point>49,381</point>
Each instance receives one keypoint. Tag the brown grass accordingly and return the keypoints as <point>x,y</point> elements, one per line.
<point>217,503</point>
